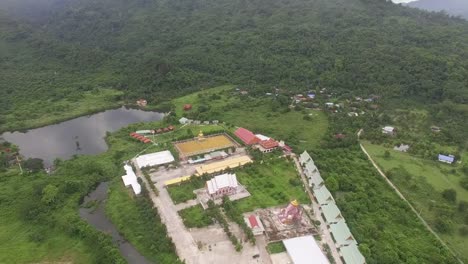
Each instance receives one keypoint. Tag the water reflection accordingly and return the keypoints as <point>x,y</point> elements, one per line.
<point>83,135</point>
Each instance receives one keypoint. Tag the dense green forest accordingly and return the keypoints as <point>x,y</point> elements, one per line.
<point>160,49</point>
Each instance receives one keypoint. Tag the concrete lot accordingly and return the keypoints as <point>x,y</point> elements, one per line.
<point>281,258</point>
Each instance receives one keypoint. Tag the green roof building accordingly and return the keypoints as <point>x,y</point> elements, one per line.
<point>331,213</point>
<point>323,196</point>
<point>352,255</point>
<point>341,234</point>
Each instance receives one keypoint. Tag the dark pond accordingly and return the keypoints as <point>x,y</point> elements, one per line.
<point>96,217</point>
<point>82,135</point>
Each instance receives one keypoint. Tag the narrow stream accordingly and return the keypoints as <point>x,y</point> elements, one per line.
<point>96,217</point>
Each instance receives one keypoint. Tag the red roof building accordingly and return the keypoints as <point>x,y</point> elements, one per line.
<point>246,136</point>
<point>253,221</point>
<point>171,128</point>
<point>255,224</point>
<point>268,145</point>
<point>187,107</point>
<point>159,131</point>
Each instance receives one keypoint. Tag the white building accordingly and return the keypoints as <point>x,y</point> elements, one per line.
<point>224,184</point>
<point>183,121</point>
<point>304,250</point>
<point>154,159</point>
<point>131,179</point>
<point>389,130</point>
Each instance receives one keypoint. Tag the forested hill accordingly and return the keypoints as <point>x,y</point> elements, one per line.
<point>161,48</point>
<point>452,7</point>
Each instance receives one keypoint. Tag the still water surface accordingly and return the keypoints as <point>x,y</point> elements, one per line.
<point>97,218</point>
<point>82,135</point>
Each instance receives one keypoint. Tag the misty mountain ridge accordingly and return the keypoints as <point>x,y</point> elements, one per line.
<point>452,7</point>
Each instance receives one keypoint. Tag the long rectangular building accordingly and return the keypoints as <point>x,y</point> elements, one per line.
<point>222,165</point>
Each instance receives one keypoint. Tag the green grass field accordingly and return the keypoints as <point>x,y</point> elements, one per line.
<point>272,183</point>
<point>439,175</point>
<point>258,115</point>
<point>183,192</point>
<point>426,180</point>
<point>22,242</point>
<point>195,216</point>
<point>276,247</point>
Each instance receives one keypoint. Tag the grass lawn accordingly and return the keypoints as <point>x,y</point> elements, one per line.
<point>17,245</point>
<point>25,242</point>
<point>39,113</point>
<point>184,191</point>
<point>258,115</point>
<point>276,247</point>
<point>275,182</point>
<point>438,174</point>
<point>428,178</point>
<point>195,216</point>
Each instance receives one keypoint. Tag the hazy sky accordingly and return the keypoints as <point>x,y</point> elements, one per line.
<point>402,1</point>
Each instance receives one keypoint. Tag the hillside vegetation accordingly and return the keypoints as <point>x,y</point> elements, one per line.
<point>159,49</point>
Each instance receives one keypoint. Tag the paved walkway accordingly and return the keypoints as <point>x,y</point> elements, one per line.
<point>185,245</point>
<point>326,235</point>
<point>404,199</point>
<point>187,204</point>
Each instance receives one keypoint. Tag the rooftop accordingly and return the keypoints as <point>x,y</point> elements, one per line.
<point>221,181</point>
<point>246,136</point>
<point>305,250</point>
<point>352,255</point>
<point>155,159</point>
<point>341,234</point>
<point>222,165</point>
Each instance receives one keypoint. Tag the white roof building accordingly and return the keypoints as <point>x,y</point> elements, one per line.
<point>304,250</point>
<point>154,159</point>
<point>388,130</point>
<point>183,121</point>
<point>262,137</point>
<point>220,182</point>
<point>131,179</point>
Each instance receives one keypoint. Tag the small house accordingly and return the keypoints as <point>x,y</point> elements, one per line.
<point>267,146</point>
<point>435,129</point>
<point>187,107</point>
<point>446,159</point>
<point>253,221</point>
<point>389,130</point>
<point>183,121</point>
<point>142,102</point>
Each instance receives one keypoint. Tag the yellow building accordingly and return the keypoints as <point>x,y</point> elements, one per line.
<point>222,165</point>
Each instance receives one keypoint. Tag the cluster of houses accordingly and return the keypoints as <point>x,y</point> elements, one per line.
<point>140,137</point>
<point>342,236</point>
<point>261,142</point>
<point>186,121</point>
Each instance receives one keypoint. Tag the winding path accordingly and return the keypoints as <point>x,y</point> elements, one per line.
<point>404,199</point>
